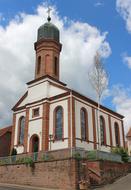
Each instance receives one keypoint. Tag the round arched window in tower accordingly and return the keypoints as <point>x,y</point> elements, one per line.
<point>39,65</point>
<point>55,66</point>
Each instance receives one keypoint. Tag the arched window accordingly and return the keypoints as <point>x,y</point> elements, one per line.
<point>47,63</point>
<point>58,123</point>
<point>83,116</point>
<point>55,66</point>
<point>102,131</point>
<point>39,65</point>
<point>21,130</point>
<point>117,134</point>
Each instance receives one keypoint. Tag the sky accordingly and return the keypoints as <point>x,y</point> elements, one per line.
<point>86,26</point>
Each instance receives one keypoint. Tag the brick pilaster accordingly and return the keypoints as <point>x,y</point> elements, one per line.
<point>13,131</point>
<point>110,129</point>
<point>26,130</point>
<point>123,134</point>
<point>45,127</point>
<point>69,123</point>
<point>73,124</point>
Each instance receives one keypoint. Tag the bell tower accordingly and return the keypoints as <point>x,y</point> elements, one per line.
<point>48,48</point>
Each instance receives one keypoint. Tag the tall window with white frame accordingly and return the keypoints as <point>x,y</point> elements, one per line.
<point>102,131</point>
<point>59,123</point>
<point>83,118</point>
<point>21,130</point>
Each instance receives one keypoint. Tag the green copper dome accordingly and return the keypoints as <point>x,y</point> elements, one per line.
<point>48,31</point>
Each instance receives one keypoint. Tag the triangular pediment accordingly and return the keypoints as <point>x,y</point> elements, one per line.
<point>39,90</point>
<point>21,102</point>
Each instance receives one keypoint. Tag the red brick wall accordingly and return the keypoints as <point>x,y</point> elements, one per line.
<point>5,144</point>
<point>61,174</point>
<point>102,172</point>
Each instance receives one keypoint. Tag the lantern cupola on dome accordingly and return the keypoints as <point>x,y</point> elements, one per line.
<point>48,48</point>
<point>48,30</point>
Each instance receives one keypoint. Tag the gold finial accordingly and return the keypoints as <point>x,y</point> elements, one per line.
<point>48,11</point>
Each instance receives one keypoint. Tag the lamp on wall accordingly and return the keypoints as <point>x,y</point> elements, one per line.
<point>50,139</point>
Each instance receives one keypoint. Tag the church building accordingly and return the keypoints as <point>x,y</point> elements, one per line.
<point>51,116</point>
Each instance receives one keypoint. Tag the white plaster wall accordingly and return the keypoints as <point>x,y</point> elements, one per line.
<point>35,127</point>
<point>89,146</point>
<point>59,144</point>
<point>40,111</point>
<point>105,116</point>
<point>42,90</point>
<point>105,148</point>
<point>78,106</point>
<point>37,92</point>
<point>113,120</point>
<point>53,91</point>
<point>129,145</point>
<point>18,115</point>
<point>85,145</point>
<point>20,149</point>
<point>23,103</point>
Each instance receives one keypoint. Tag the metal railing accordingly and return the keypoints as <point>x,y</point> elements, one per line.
<point>41,156</point>
<point>77,153</point>
<point>100,155</point>
<point>129,159</point>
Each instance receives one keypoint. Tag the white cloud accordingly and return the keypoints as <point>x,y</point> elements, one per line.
<point>99,3</point>
<point>122,102</point>
<point>127,60</point>
<point>124,8</point>
<point>17,56</point>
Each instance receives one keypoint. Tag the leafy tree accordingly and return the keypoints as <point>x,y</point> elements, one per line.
<point>99,81</point>
<point>122,152</point>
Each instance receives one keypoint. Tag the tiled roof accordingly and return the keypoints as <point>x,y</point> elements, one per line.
<point>5,130</point>
<point>126,145</point>
<point>129,133</point>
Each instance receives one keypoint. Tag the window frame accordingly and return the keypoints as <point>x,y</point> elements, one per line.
<point>33,112</point>
<point>55,66</point>
<point>19,130</point>
<point>86,138</point>
<point>62,125</point>
<point>104,131</point>
<point>38,65</point>
<point>116,125</point>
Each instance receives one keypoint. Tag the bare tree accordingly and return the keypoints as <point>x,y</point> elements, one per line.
<point>99,80</point>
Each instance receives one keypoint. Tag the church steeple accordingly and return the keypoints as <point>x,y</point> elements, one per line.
<point>48,48</point>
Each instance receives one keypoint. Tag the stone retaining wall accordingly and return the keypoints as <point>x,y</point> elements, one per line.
<point>61,174</point>
<point>103,172</point>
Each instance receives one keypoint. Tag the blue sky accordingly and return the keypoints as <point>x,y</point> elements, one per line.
<point>105,15</point>
<point>99,13</point>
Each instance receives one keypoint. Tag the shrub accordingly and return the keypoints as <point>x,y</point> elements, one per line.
<point>77,156</point>
<point>122,152</point>
<point>29,161</point>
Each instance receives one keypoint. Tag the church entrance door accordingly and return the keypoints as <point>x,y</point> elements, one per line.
<point>35,147</point>
<point>35,144</point>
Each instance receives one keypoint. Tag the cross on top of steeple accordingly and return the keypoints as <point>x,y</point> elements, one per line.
<point>49,17</point>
